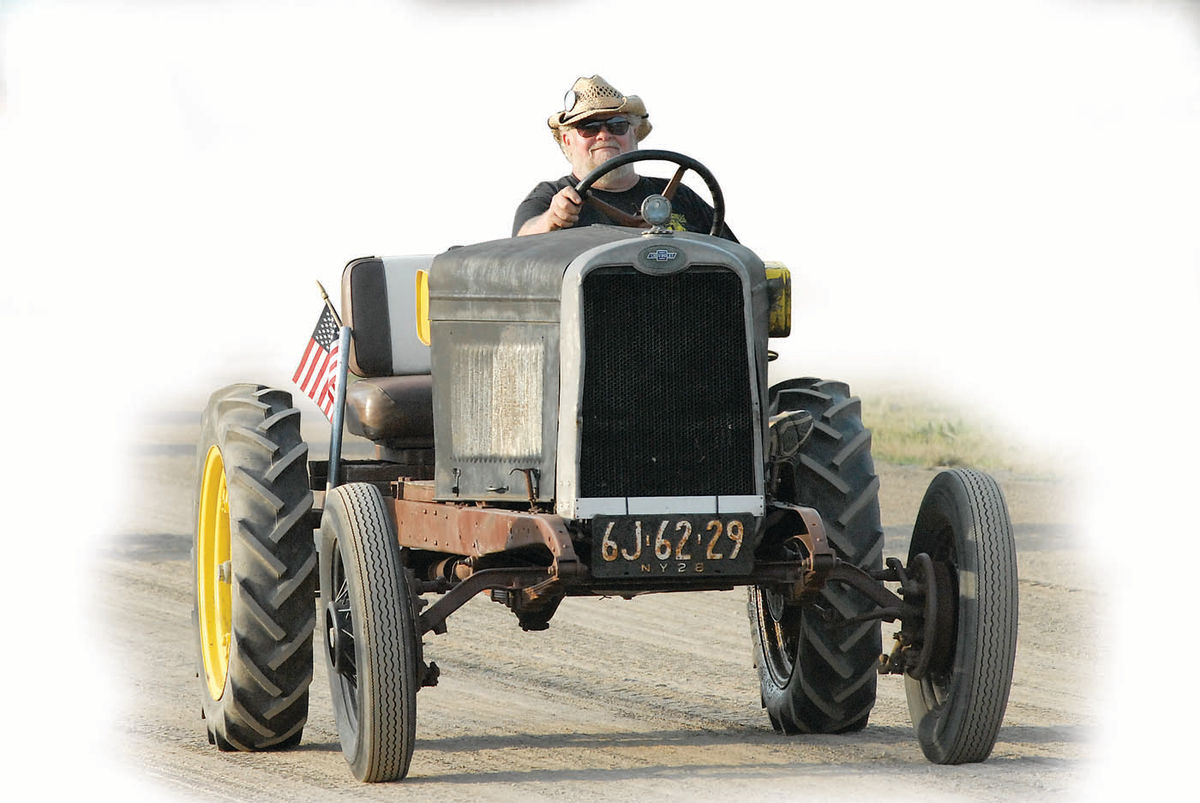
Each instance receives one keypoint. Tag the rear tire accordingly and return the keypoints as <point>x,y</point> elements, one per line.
<point>816,678</point>
<point>371,637</point>
<point>254,566</point>
<point>957,709</point>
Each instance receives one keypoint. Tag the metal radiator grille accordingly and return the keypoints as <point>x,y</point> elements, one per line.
<point>666,386</point>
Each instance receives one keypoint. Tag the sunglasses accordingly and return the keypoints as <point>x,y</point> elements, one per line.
<point>616,126</point>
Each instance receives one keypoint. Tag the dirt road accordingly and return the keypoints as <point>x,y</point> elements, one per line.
<point>653,698</point>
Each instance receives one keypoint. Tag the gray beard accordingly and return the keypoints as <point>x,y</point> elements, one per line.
<point>623,178</point>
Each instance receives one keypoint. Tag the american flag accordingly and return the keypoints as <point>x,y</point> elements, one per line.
<point>317,374</point>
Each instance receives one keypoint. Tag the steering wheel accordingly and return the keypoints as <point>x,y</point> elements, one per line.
<point>685,163</point>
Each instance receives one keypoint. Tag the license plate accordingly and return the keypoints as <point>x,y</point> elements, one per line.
<point>677,546</point>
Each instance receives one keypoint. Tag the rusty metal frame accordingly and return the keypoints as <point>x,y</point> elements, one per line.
<point>474,531</point>
<point>471,530</point>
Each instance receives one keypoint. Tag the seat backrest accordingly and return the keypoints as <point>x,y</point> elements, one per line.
<point>379,305</point>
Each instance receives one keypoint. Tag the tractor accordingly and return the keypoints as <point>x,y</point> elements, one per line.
<point>580,413</point>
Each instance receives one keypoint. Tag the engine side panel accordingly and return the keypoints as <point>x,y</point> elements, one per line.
<point>494,320</point>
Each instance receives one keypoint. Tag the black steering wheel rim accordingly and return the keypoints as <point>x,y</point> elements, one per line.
<point>714,189</point>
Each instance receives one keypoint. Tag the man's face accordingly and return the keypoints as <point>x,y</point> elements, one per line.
<point>593,143</point>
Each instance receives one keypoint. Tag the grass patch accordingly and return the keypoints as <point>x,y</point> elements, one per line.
<point>910,430</point>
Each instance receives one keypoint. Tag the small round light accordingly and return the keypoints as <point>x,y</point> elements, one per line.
<point>656,210</point>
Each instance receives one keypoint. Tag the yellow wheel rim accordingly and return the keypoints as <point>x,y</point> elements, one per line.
<point>213,573</point>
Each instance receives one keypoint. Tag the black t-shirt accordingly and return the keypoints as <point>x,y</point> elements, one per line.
<point>688,211</point>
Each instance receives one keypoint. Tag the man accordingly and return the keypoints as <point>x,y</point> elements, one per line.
<point>598,123</point>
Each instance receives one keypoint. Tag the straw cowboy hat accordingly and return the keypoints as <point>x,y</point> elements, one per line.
<point>594,97</point>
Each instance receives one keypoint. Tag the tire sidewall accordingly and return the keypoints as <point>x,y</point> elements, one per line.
<point>339,536</point>
<point>330,540</point>
<point>211,435</point>
<point>335,542</point>
<point>946,505</point>
<point>949,731</point>
<point>231,717</point>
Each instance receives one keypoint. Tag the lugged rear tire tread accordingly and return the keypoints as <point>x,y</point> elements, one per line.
<point>833,685</point>
<point>265,700</point>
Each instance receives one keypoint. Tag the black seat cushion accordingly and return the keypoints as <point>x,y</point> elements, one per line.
<point>396,411</point>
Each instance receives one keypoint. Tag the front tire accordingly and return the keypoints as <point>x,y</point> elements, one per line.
<point>254,566</point>
<point>957,708</point>
<point>372,642</point>
<point>814,677</point>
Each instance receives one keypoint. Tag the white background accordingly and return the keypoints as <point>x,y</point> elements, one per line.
<point>998,202</point>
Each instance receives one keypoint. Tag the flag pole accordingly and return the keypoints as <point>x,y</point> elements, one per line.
<point>339,394</point>
<point>339,405</point>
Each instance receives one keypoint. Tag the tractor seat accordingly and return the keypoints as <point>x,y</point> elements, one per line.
<point>392,404</point>
<point>395,411</point>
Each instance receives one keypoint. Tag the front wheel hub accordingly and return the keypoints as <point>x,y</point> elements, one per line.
<point>934,650</point>
<point>340,638</point>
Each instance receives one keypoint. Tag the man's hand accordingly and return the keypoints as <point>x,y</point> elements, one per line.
<point>564,209</point>
<point>562,214</point>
